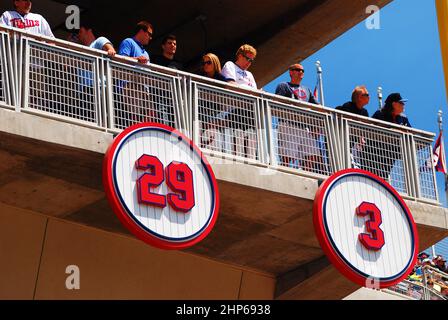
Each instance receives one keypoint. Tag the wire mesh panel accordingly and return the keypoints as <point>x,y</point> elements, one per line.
<point>379,151</point>
<point>301,140</point>
<point>412,290</point>
<point>141,96</point>
<point>3,69</point>
<point>63,83</point>
<point>227,122</point>
<point>427,183</point>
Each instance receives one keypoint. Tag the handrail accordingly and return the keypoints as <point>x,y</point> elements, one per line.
<point>305,125</point>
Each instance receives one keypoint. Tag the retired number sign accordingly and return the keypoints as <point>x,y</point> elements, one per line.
<point>160,186</point>
<point>365,228</point>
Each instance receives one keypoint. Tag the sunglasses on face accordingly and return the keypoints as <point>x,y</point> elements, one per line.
<point>206,63</point>
<point>247,58</point>
<point>365,95</point>
<point>298,70</point>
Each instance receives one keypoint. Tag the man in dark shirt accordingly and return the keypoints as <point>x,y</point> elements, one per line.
<point>294,89</point>
<point>296,143</point>
<point>360,98</point>
<point>169,47</point>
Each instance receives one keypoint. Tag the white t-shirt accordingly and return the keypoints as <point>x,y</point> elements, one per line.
<point>243,77</point>
<point>31,22</point>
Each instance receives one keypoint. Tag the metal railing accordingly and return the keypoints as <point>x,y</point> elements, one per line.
<point>7,92</point>
<point>73,83</point>
<point>301,139</point>
<point>227,122</point>
<point>61,82</point>
<point>424,289</point>
<point>415,291</point>
<point>142,95</point>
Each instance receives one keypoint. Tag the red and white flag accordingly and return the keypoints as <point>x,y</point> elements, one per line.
<point>316,90</point>
<point>438,155</point>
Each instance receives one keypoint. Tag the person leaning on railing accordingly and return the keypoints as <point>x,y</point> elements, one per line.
<point>135,47</point>
<point>130,93</point>
<point>379,155</point>
<point>87,38</point>
<point>241,121</point>
<point>85,78</point>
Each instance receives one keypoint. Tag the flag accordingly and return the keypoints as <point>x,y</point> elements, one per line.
<point>438,155</point>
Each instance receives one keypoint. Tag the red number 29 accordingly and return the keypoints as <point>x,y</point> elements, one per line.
<point>375,239</point>
<point>179,179</point>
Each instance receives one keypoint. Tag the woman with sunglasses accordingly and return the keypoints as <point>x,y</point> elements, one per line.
<point>212,116</point>
<point>211,67</point>
<point>392,110</point>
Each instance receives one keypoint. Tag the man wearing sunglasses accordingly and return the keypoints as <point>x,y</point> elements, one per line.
<point>22,18</point>
<point>237,72</point>
<point>240,134</point>
<point>135,47</point>
<point>296,143</point>
<point>294,89</point>
<point>360,98</point>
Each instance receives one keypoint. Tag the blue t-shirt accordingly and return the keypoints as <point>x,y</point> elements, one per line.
<point>132,48</point>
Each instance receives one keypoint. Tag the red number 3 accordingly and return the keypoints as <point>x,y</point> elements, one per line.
<point>179,179</point>
<point>375,239</point>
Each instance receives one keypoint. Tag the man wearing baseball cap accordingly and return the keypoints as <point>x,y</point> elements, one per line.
<point>392,110</point>
<point>378,156</point>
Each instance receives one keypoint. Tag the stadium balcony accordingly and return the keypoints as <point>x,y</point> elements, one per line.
<point>62,104</point>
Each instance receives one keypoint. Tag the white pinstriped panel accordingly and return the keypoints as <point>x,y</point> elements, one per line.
<point>164,222</point>
<point>344,227</point>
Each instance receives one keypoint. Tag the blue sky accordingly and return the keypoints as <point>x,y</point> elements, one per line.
<point>402,56</point>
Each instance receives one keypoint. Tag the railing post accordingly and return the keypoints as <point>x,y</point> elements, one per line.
<point>271,138</point>
<point>259,110</point>
<point>110,116</point>
<point>195,109</point>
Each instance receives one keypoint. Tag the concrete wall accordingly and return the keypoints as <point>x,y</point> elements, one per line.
<point>370,294</point>
<point>36,251</point>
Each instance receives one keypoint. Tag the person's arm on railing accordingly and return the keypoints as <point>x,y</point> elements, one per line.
<point>109,48</point>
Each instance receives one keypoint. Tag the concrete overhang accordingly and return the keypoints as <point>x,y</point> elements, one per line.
<point>284,32</point>
<point>265,223</point>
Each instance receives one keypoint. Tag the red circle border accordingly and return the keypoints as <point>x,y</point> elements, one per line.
<point>121,213</point>
<point>332,255</point>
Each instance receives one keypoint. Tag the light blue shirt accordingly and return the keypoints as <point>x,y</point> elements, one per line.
<point>132,48</point>
<point>99,43</point>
